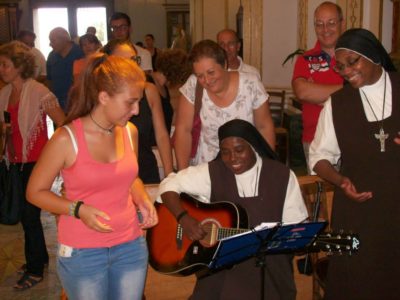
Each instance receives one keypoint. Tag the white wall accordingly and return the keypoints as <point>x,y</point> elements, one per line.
<point>24,23</point>
<point>280,35</point>
<point>311,38</point>
<point>280,39</point>
<point>148,16</point>
<point>211,16</point>
<point>387,23</point>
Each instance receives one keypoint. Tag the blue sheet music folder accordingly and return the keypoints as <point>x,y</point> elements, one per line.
<point>276,240</point>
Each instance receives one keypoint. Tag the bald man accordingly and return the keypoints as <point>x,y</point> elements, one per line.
<point>230,42</point>
<point>59,63</point>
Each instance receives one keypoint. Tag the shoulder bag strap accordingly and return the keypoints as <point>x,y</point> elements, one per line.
<point>7,142</point>
<point>198,98</point>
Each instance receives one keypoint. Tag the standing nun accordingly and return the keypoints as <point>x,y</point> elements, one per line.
<point>358,125</point>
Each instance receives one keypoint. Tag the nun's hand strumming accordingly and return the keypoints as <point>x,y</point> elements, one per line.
<point>192,228</point>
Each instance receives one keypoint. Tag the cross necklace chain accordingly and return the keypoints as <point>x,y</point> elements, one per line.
<point>382,136</point>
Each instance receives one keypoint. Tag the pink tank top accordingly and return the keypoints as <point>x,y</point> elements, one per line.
<point>104,186</point>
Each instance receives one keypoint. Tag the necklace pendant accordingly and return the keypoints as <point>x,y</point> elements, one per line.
<point>382,136</point>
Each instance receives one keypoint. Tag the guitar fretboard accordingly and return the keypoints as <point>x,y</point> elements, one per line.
<point>227,232</point>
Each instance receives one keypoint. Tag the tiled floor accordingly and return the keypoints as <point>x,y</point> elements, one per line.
<point>158,287</point>
<point>12,257</point>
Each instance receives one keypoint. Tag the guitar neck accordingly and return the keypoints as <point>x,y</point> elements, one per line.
<point>227,232</point>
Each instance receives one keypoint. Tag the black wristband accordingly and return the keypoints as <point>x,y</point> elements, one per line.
<point>76,210</point>
<point>181,215</point>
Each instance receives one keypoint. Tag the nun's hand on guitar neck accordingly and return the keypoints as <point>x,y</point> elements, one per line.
<point>397,139</point>
<point>192,228</point>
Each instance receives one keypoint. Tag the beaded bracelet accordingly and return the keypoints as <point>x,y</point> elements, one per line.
<point>71,208</point>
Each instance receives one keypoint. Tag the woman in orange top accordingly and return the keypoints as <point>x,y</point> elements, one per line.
<point>89,44</point>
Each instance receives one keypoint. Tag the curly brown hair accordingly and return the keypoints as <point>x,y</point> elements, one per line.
<point>21,57</point>
<point>174,64</point>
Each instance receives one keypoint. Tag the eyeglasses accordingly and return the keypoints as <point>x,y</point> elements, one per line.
<point>137,59</point>
<point>331,24</point>
<point>339,68</point>
<point>119,27</point>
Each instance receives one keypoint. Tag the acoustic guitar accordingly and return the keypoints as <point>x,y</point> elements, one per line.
<point>172,253</point>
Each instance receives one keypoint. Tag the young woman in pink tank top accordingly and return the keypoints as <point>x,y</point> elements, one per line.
<point>102,253</point>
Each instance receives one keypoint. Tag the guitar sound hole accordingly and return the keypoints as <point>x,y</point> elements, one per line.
<point>211,227</point>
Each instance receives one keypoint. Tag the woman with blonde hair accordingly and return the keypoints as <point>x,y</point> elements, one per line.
<point>102,253</point>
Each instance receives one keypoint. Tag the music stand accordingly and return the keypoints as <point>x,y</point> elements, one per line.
<point>279,239</point>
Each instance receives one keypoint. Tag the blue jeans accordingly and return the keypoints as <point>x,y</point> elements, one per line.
<point>116,273</point>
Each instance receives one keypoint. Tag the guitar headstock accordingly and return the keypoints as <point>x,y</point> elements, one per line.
<point>336,242</point>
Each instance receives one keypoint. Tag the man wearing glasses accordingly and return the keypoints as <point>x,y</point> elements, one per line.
<point>120,24</point>
<point>314,78</point>
<point>229,41</point>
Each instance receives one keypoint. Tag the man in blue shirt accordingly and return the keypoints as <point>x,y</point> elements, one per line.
<point>59,64</point>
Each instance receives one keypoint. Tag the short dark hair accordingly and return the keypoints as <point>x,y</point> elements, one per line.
<point>120,15</point>
<point>91,38</point>
<point>22,33</point>
<point>209,49</point>
<point>150,36</point>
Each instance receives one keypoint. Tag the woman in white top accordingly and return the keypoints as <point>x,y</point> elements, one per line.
<point>225,96</point>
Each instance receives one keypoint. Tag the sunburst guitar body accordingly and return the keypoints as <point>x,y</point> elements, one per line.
<point>171,252</point>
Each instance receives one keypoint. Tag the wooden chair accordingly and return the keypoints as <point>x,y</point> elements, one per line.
<point>311,186</point>
<point>296,103</point>
<point>276,107</point>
